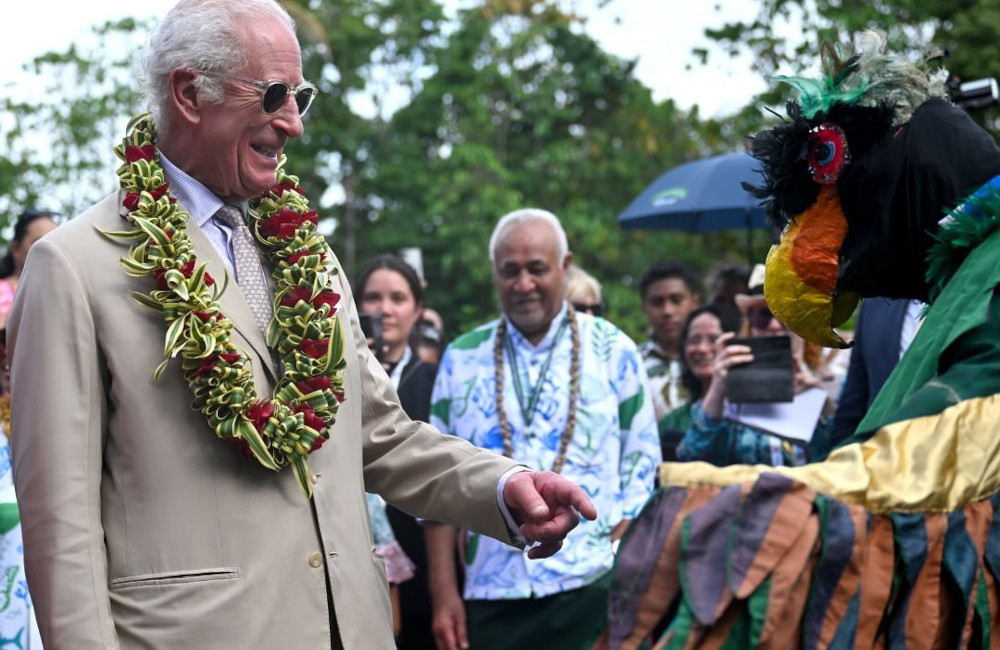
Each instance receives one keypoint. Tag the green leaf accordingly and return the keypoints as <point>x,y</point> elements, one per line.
<point>152,231</point>
<point>303,476</point>
<point>144,300</point>
<point>257,447</point>
<point>174,332</point>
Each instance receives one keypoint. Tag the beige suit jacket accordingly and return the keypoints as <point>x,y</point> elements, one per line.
<point>143,530</point>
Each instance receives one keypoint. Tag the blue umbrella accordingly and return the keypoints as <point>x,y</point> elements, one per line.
<point>700,196</point>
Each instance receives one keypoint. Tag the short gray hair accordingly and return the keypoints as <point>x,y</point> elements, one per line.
<point>203,35</point>
<point>526,215</point>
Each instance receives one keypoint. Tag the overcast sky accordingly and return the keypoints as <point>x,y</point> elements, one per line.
<point>657,32</point>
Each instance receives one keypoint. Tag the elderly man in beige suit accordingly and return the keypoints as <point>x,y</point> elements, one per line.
<point>142,529</point>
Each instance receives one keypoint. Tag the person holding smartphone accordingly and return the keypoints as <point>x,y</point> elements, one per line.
<point>391,295</point>
<point>719,441</point>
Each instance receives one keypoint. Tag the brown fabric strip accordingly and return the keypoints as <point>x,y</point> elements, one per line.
<point>978,517</point>
<point>664,586</point>
<point>786,527</point>
<point>789,589</point>
<point>849,579</point>
<point>926,607</point>
<point>876,582</point>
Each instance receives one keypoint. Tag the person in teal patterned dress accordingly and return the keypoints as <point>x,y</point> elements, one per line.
<point>553,389</point>
<point>18,628</point>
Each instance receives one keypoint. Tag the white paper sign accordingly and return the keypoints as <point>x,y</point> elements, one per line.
<point>795,420</point>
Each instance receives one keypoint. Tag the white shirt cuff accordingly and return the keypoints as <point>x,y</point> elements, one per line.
<point>512,528</point>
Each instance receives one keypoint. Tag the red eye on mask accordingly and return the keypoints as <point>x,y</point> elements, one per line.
<point>827,153</point>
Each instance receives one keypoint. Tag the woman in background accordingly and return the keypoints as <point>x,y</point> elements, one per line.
<point>712,438</point>
<point>17,625</point>
<point>583,291</point>
<point>699,335</point>
<point>389,288</point>
<point>31,226</point>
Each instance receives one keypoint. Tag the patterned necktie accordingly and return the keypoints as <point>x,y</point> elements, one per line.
<point>250,275</point>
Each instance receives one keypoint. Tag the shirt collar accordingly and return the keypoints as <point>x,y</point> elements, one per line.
<point>653,347</point>
<point>547,341</point>
<point>197,199</point>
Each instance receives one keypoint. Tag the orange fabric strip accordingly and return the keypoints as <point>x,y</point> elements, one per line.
<point>849,579</point>
<point>876,581</point>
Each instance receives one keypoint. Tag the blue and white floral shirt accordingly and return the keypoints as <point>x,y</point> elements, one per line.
<point>613,454</point>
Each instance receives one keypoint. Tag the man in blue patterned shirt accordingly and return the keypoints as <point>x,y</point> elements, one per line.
<point>555,390</point>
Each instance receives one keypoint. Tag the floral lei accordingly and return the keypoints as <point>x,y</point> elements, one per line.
<point>280,431</point>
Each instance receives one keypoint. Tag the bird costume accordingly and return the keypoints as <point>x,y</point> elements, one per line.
<point>882,188</point>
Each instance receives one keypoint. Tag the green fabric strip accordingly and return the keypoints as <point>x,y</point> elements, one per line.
<point>983,609</point>
<point>961,307</point>
<point>757,608</point>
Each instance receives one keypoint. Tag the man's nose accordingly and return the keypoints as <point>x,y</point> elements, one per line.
<point>288,118</point>
<point>525,283</point>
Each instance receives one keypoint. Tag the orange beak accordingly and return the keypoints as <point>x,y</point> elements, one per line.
<point>802,273</point>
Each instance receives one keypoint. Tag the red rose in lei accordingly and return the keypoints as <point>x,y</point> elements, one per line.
<point>314,348</point>
<point>328,298</point>
<point>313,384</point>
<point>293,297</point>
<point>259,413</point>
<point>278,189</point>
<point>284,224</point>
<point>297,256</point>
<point>134,153</point>
<point>207,365</point>
<point>187,270</point>
<point>132,198</point>
<point>310,418</point>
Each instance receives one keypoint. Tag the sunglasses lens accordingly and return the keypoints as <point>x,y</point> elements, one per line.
<point>593,310</point>
<point>274,97</point>
<point>304,99</point>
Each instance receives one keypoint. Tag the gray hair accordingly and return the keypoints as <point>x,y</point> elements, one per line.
<point>526,215</point>
<point>203,35</point>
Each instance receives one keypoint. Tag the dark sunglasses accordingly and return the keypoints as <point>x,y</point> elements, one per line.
<point>273,94</point>
<point>593,310</point>
<point>759,316</point>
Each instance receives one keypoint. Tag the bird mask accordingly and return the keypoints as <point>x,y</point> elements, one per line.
<point>857,178</point>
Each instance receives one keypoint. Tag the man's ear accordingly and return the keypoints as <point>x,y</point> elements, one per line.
<point>184,95</point>
<point>567,260</point>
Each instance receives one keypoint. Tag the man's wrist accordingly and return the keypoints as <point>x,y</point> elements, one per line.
<point>512,527</point>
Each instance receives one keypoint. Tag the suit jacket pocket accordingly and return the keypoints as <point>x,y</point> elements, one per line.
<point>174,578</point>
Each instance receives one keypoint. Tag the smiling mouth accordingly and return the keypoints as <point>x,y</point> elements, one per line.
<point>267,152</point>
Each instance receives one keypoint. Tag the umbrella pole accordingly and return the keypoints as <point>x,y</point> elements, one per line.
<point>750,260</point>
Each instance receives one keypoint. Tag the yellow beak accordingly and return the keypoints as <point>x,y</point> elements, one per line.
<point>802,273</point>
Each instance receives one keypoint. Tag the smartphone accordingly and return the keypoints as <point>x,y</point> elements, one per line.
<point>770,377</point>
<point>371,325</point>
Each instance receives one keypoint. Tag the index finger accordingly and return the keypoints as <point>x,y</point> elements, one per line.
<point>570,494</point>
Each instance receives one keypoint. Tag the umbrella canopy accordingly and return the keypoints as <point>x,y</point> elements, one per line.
<point>700,196</point>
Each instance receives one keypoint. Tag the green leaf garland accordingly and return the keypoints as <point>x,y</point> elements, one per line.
<point>305,332</point>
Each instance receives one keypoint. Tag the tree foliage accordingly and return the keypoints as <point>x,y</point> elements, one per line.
<point>427,130</point>
<point>786,36</point>
<point>56,147</point>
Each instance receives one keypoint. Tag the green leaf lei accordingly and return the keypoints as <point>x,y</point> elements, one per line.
<point>305,331</point>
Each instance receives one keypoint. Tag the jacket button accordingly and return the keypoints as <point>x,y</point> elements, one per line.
<point>316,560</point>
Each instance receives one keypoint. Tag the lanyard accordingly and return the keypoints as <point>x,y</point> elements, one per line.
<point>528,409</point>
